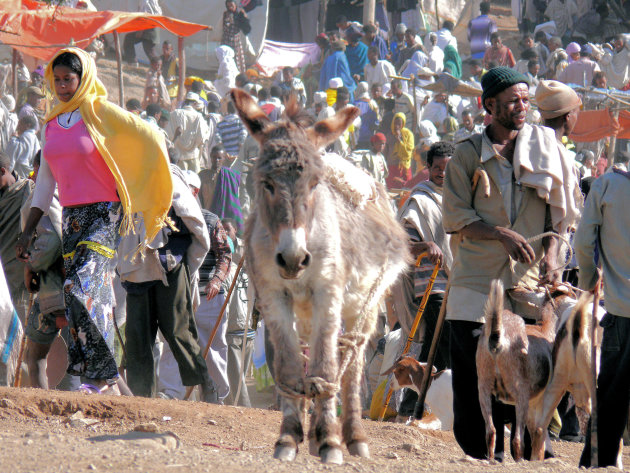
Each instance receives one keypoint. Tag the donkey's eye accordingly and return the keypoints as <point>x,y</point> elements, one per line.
<point>269,187</point>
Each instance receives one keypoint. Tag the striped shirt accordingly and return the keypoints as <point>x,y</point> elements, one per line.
<point>232,133</point>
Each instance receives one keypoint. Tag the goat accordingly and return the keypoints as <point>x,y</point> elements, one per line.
<point>408,373</point>
<point>514,363</point>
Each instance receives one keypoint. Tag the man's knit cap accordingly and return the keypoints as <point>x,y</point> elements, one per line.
<point>497,79</point>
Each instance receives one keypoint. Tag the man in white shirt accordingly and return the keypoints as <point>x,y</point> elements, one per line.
<point>469,127</point>
<point>188,131</point>
<point>377,71</point>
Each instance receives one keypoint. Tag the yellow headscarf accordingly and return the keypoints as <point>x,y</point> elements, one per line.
<point>403,150</point>
<point>134,152</point>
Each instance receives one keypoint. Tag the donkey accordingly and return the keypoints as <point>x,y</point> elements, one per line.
<point>316,256</point>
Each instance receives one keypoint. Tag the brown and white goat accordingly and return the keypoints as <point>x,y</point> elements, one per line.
<point>409,372</point>
<point>514,363</point>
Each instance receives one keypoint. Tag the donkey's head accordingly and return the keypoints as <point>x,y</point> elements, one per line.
<point>287,173</point>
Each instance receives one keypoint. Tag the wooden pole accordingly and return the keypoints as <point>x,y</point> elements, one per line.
<point>415,325</point>
<point>594,325</point>
<point>15,78</point>
<point>437,16</point>
<point>189,389</point>
<point>368,11</point>
<point>121,90</point>
<point>323,7</point>
<point>182,68</point>
<point>426,380</point>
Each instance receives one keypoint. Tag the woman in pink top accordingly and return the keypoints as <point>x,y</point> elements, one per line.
<point>91,219</point>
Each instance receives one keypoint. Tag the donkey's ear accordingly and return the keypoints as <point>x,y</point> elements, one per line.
<point>326,131</point>
<point>256,121</point>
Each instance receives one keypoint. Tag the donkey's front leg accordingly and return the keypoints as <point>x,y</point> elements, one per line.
<point>289,373</point>
<point>323,370</point>
<point>353,434</point>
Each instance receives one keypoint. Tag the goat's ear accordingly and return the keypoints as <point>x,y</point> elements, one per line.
<point>326,131</point>
<point>424,367</point>
<point>255,120</point>
<point>390,370</point>
<point>438,374</point>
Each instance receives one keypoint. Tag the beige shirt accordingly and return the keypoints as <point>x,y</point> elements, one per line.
<point>477,262</point>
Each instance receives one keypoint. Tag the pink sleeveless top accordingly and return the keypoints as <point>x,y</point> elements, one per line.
<point>76,164</point>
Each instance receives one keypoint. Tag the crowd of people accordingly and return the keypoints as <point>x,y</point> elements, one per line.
<point>104,277</point>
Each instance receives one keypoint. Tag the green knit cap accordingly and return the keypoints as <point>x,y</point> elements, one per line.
<point>497,79</point>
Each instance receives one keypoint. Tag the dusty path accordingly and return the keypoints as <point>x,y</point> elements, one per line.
<point>38,434</point>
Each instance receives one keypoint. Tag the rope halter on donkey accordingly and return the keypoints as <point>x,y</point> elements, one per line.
<point>349,345</point>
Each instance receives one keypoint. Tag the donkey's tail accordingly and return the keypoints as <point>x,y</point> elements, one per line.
<point>494,315</point>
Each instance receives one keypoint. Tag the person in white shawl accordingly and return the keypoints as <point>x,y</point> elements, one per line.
<point>226,75</point>
<point>11,332</point>
<point>421,216</point>
<point>615,61</point>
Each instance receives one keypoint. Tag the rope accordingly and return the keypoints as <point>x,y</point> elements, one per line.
<point>560,237</point>
<point>349,344</point>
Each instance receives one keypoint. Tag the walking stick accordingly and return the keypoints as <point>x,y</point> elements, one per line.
<point>426,379</point>
<point>18,369</point>
<point>123,362</point>
<point>594,323</point>
<point>416,323</point>
<point>189,389</point>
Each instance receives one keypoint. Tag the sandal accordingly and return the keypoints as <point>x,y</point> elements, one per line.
<point>88,389</point>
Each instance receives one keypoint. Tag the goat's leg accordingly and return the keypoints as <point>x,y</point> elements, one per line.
<point>485,402</point>
<point>522,404</point>
<point>538,431</point>
<point>323,370</point>
<point>352,428</point>
<point>289,373</point>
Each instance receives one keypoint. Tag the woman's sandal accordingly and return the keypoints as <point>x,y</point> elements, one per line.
<point>88,389</point>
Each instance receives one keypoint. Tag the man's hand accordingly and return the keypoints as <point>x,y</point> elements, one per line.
<point>434,253</point>
<point>516,246</point>
<point>178,133</point>
<point>21,247</point>
<point>212,289</point>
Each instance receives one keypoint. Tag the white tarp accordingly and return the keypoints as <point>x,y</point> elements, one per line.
<point>276,55</point>
<point>199,47</point>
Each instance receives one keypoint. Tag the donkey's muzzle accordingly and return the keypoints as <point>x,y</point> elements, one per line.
<point>292,264</point>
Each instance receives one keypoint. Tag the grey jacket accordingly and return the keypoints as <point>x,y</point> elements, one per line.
<point>45,256</point>
<point>605,223</point>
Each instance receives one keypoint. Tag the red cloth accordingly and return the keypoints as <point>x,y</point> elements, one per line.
<point>397,178</point>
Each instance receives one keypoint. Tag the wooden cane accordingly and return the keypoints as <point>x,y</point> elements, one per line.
<point>189,389</point>
<point>594,324</point>
<point>414,326</point>
<point>18,369</point>
<point>426,379</point>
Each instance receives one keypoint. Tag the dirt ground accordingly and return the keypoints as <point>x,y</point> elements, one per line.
<point>41,431</point>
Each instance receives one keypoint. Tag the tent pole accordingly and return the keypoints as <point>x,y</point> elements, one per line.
<point>323,6</point>
<point>368,11</point>
<point>15,80</point>
<point>121,90</point>
<point>182,68</point>
<point>437,16</point>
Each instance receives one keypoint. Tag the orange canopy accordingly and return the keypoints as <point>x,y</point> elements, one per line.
<point>593,125</point>
<point>40,30</point>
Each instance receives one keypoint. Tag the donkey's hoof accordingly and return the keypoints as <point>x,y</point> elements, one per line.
<point>359,449</point>
<point>331,455</point>
<point>285,453</point>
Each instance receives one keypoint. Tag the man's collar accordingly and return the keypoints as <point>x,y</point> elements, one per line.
<point>487,148</point>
